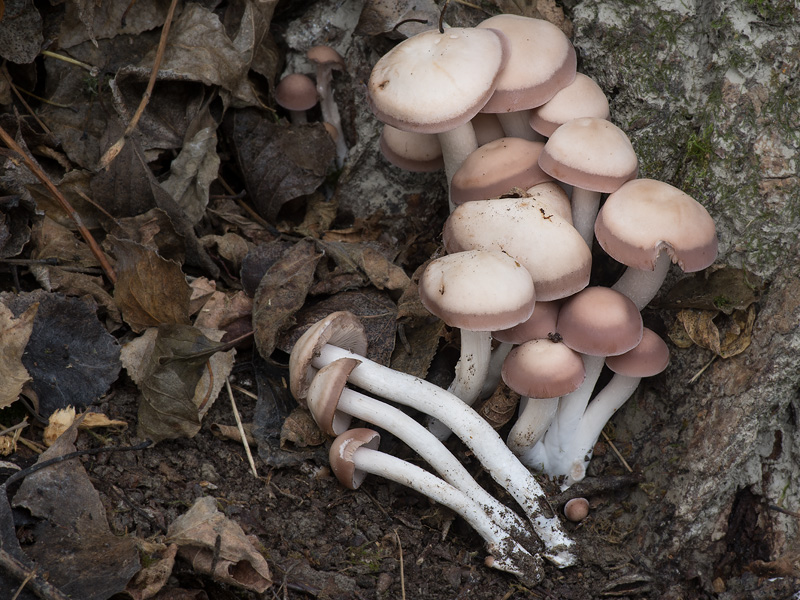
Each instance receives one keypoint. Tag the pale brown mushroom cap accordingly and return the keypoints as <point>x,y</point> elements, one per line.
<point>296,92</point>
<point>497,167</point>
<point>341,455</point>
<point>477,290</point>
<point>590,153</point>
<point>541,62</point>
<point>645,217</point>
<point>543,369</point>
<point>576,509</point>
<point>599,321</point>
<point>416,152</point>
<point>324,393</point>
<point>553,197</point>
<point>325,55</point>
<point>434,82</point>
<point>554,253</point>
<point>541,323</point>
<point>648,358</point>
<point>342,329</point>
<point>581,98</point>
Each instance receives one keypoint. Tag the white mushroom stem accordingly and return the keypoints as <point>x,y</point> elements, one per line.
<point>535,417</point>
<point>598,413</point>
<point>642,286</point>
<point>507,554</point>
<point>474,431</point>
<point>495,368</point>
<point>550,454</point>
<point>585,204</point>
<point>330,111</point>
<point>457,144</point>
<point>430,449</point>
<point>518,124</point>
<point>471,372</point>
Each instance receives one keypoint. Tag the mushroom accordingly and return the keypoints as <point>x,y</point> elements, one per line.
<point>416,152</point>
<point>597,322</point>
<point>592,155</point>
<point>435,82</point>
<point>541,371</point>
<point>333,406</point>
<point>477,291</point>
<point>354,454</point>
<point>314,352</point>
<point>576,509</point>
<point>541,62</point>
<point>326,60</point>
<point>650,357</point>
<point>554,253</point>
<point>297,94</point>
<point>643,225</point>
<point>497,167</point>
<point>581,98</point>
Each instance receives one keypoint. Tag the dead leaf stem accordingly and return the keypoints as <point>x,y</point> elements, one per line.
<point>63,202</point>
<point>36,584</point>
<point>117,146</point>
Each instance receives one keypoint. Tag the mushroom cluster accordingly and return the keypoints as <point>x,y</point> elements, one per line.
<point>536,173</point>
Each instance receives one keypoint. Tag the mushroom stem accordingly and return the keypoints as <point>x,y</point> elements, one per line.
<point>507,554</point>
<point>474,431</point>
<point>550,454</point>
<point>457,144</point>
<point>585,204</point>
<point>495,368</point>
<point>535,417</point>
<point>329,109</point>
<point>642,286</point>
<point>598,413</point>
<point>471,371</point>
<point>419,439</point>
<point>517,124</point>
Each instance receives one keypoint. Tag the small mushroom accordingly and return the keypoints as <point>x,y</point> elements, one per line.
<point>297,94</point>
<point>576,509</point>
<point>354,454</point>
<point>326,60</point>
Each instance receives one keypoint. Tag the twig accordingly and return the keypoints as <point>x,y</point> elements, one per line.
<point>784,511</point>
<point>93,71</point>
<point>402,569</point>
<point>40,587</point>
<point>614,449</point>
<point>241,428</point>
<point>696,376</point>
<point>117,146</point>
<point>17,91</point>
<point>63,202</point>
<point>19,425</point>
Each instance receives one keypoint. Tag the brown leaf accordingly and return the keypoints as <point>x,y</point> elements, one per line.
<point>279,162</point>
<point>69,283</point>
<point>56,241</point>
<point>16,216</point>
<point>724,335</point>
<point>320,214</point>
<point>419,342</point>
<point>725,289</point>
<point>21,36</point>
<point>500,407</point>
<point>231,246</point>
<point>221,309</point>
<point>367,259</point>
<point>89,20</point>
<point>257,262</point>
<point>388,17</point>
<point>300,429</point>
<point>14,335</point>
<point>217,546</point>
<point>154,230</point>
<point>152,578</point>
<point>149,290</point>
<point>281,294</point>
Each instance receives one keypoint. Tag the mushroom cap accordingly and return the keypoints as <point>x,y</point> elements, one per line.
<point>599,321</point>
<point>494,168</point>
<point>553,197</point>
<point>324,393</point>
<point>645,217</point>
<point>342,329</point>
<point>541,62</point>
<point>341,455</point>
<point>434,82</point>
<point>325,55</point>
<point>539,326</point>
<point>649,358</point>
<point>487,128</point>
<point>554,253</point>
<point>477,290</point>
<point>296,92</point>
<point>576,509</point>
<point>543,369</point>
<point>581,98</point>
<point>590,153</point>
<point>416,152</point>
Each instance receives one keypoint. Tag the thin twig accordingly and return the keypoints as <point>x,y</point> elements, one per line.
<point>117,146</point>
<point>17,91</point>
<point>696,376</point>
<point>402,568</point>
<point>19,425</point>
<point>241,428</point>
<point>614,449</point>
<point>63,202</point>
<point>93,71</point>
<point>40,587</point>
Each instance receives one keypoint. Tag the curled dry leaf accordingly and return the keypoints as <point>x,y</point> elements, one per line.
<point>281,293</point>
<point>725,335</point>
<point>16,215</point>
<point>14,335</point>
<point>300,430</point>
<point>150,290</point>
<point>57,424</point>
<point>499,408</point>
<point>152,578</point>
<point>217,546</point>
<point>724,289</point>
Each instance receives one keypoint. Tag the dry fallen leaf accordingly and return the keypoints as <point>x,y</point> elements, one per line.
<point>58,423</point>
<point>217,546</point>
<point>152,578</point>
<point>301,430</point>
<point>724,335</point>
<point>14,336</point>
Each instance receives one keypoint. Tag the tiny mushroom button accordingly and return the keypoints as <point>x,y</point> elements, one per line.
<point>296,93</point>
